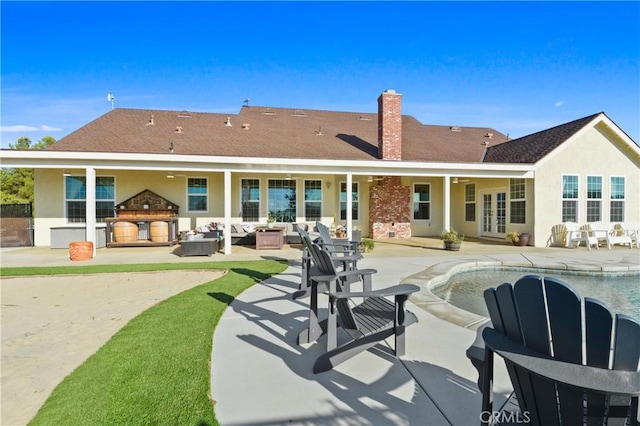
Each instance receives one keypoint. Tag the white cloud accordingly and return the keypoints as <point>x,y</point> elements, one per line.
<point>18,128</point>
<point>22,128</point>
<point>558,104</point>
<point>46,128</point>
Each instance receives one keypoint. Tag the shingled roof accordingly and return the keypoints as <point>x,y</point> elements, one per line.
<point>531,148</point>
<point>273,133</point>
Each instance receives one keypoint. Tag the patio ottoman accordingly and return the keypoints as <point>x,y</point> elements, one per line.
<point>199,247</point>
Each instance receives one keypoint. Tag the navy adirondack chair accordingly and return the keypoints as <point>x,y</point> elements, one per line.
<point>319,275</point>
<point>366,323</point>
<point>346,262</point>
<point>558,377</point>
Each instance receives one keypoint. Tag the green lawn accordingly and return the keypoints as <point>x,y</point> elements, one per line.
<point>155,370</point>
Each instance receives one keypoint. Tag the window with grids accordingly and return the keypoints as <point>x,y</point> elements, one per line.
<point>354,201</point>
<point>517,202</point>
<point>470,202</point>
<point>197,195</point>
<point>312,200</point>
<point>616,210</point>
<point>421,201</point>
<point>76,198</point>
<point>570,198</point>
<point>594,198</point>
<point>250,194</point>
<point>282,199</point>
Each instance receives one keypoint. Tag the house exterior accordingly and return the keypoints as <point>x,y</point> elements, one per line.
<point>386,174</point>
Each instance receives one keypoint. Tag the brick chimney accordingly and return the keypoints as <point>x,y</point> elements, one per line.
<point>390,125</point>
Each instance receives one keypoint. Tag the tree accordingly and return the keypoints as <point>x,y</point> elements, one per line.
<point>16,185</point>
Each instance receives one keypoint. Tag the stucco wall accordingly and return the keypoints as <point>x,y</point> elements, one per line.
<point>595,153</point>
<point>49,197</point>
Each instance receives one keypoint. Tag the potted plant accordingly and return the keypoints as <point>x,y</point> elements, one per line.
<point>452,240</point>
<point>366,245</point>
<point>518,238</point>
<point>270,219</point>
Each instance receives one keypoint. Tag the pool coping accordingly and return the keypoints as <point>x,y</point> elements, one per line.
<point>440,273</point>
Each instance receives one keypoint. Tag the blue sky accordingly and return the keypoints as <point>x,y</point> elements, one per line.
<point>518,67</point>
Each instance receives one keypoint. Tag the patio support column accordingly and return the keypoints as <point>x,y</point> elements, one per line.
<point>349,206</point>
<point>90,208</point>
<point>446,190</point>
<point>227,212</point>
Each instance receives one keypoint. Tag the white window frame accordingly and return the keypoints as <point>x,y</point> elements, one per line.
<point>259,201</point>
<point>575,200</point>
<point>591,200</point>
<point>297,188</point>
<point>428,203</point>
<point>206,194</point>
<point>470,202</point>
<point>84,200</point>
<point>523,199</point>
<point>622,200</point>
<point>305,201</point>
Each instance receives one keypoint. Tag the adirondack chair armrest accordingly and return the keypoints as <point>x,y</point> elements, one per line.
<point>347,257</point>
<point>580,376</point>
<point>340,248</point>
<point>342,274</point>
<point>396,290</point>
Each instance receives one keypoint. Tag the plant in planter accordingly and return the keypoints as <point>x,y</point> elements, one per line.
<point>452,240</point>
<point>366,245</point>
<point>270,219</point>
<point>518,238</point>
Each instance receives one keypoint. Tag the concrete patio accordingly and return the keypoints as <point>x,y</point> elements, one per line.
<point>260,376</point>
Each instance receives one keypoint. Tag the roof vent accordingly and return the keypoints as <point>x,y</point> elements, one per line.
<point>455,128</point>
<point>269,112</point>
<point>245,126</point>
<point>489,135</point>
<point>299,113</point>
<point>486,143</point>
<point>364,118</point>
<point>150,122</point>
<point>319,131</point>
<point>178,129</point>
<point>184,114</point>
<point>228,122</point>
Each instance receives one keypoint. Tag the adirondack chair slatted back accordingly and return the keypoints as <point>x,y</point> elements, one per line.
<point>325,237</point>
<point>324,263</point>
<point>545,316</point>
<point>326,266</point>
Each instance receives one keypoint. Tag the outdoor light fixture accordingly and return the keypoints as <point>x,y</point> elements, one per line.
<point>328,185</point>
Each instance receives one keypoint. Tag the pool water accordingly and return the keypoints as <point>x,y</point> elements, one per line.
<point>621,293</point>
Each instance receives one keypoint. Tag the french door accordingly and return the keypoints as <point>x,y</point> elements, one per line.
<point>494,214</point>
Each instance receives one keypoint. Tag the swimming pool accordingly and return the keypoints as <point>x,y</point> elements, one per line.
<point>620,292</point>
